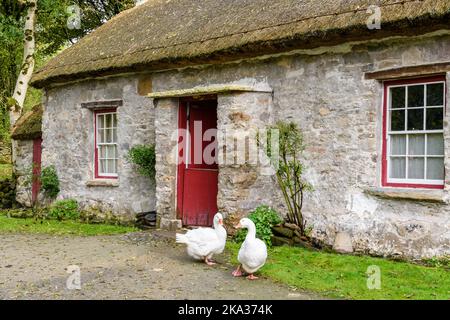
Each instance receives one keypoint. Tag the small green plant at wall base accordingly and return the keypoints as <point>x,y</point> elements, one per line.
<point>264,218</point>
<point>50,182</point>
<point>144,158</point>
<point>64,210</point>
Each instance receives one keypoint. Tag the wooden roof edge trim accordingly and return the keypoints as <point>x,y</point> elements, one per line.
<point>409,71</point>
<point>207,90</point>
<point>102,104</point>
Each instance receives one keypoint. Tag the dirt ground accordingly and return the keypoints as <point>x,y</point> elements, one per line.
<point>140,265</point>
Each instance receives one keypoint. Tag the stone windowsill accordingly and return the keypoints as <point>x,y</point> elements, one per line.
<point>103,183</point>
<point>430,195</point>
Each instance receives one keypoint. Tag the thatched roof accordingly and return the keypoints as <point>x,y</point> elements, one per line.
<point>163,34</point>
<point>29,125</point>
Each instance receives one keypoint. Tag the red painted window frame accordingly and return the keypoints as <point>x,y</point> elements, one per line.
<point>96,174</point>
<point>384,165</point>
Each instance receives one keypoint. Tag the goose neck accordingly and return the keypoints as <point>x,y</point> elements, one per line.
<point>251,234</point>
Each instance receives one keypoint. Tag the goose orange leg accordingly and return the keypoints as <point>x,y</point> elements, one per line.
<point>237,272</point>
<point>208,262</point>
<point>251,277</point>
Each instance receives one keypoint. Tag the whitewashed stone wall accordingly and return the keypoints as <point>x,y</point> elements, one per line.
<point>23,167</point>
<point>243,183</point>
<point>326,94</point>
<point>68,143</point>
<point>166,125</point>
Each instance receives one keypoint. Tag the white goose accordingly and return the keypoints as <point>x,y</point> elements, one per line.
<point>202,243</point>
<point>253,252</point>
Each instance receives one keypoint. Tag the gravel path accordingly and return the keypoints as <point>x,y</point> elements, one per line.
<point>134,266</point>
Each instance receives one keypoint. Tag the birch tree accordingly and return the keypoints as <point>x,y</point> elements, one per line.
<point>26,70</point>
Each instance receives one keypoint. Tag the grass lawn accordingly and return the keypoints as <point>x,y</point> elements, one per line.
<point>5,171</point>
<point>344,276</point>
<point>54,227</point>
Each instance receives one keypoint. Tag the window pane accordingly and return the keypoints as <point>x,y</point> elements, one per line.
<point>101,136</point>
<point>111,166</point>
<point>100,123</point>
<point>398,97</point>
<point>114,120</point>
<point>415,119</point>
<point>435,119</point>
<point>115,135</point>
<point>398,120</point>
<point>111,152</point>
<point>108,120</point>
<point>102,168</point>
<point>416,167</point>
<point>102,150</point>
<point>435,144</point>
<point>416,96</point>
<point>108,135</point>
<point>435,168</point>
<point>416,144</point>
<point>398,145</point>
<point>435,94</point>
<point>398,168</point>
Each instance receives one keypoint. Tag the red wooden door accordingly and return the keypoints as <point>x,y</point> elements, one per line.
<point>37,153</point>
<point>198,174</point>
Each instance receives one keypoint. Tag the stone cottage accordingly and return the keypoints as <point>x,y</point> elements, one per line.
<point>366,81</point>
<point>27,140</point>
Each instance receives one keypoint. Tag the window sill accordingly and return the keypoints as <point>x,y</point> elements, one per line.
<point>103,183</point>
<point>407,194</point>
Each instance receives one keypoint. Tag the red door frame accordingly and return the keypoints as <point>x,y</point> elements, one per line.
<point>182,122</point>
<point>37,160</point>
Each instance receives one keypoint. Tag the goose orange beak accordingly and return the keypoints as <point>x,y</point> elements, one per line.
<point>238,226</point>
<point>221,221</point>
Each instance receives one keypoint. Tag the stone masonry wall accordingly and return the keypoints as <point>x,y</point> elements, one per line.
<point>339,111</point>
<point>166,124</point>
<point>68,143</point>
<point>243,183</point>
<point>23,166</point>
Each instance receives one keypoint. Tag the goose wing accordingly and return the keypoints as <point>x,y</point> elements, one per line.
<point>202,240</point>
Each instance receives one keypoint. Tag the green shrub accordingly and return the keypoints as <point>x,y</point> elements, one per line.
<point>144,158</point>
<point>264,218</point>
<point>50,182</point>
<point>64,210</point>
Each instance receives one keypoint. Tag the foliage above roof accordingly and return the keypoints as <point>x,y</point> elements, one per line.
<point>29,125</point>
<point>161,34</point>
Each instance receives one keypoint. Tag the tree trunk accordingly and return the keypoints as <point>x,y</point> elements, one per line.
<point>27,68</point>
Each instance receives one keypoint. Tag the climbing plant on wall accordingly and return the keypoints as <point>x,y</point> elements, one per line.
<point>289,170</point>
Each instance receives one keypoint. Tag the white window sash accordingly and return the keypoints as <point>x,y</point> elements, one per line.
<point>408,133</point>
<point>101,117</point>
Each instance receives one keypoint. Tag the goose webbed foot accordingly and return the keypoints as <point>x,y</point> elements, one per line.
<point>209,262</point>
<point>252,277</point>
<point>237,272</point>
